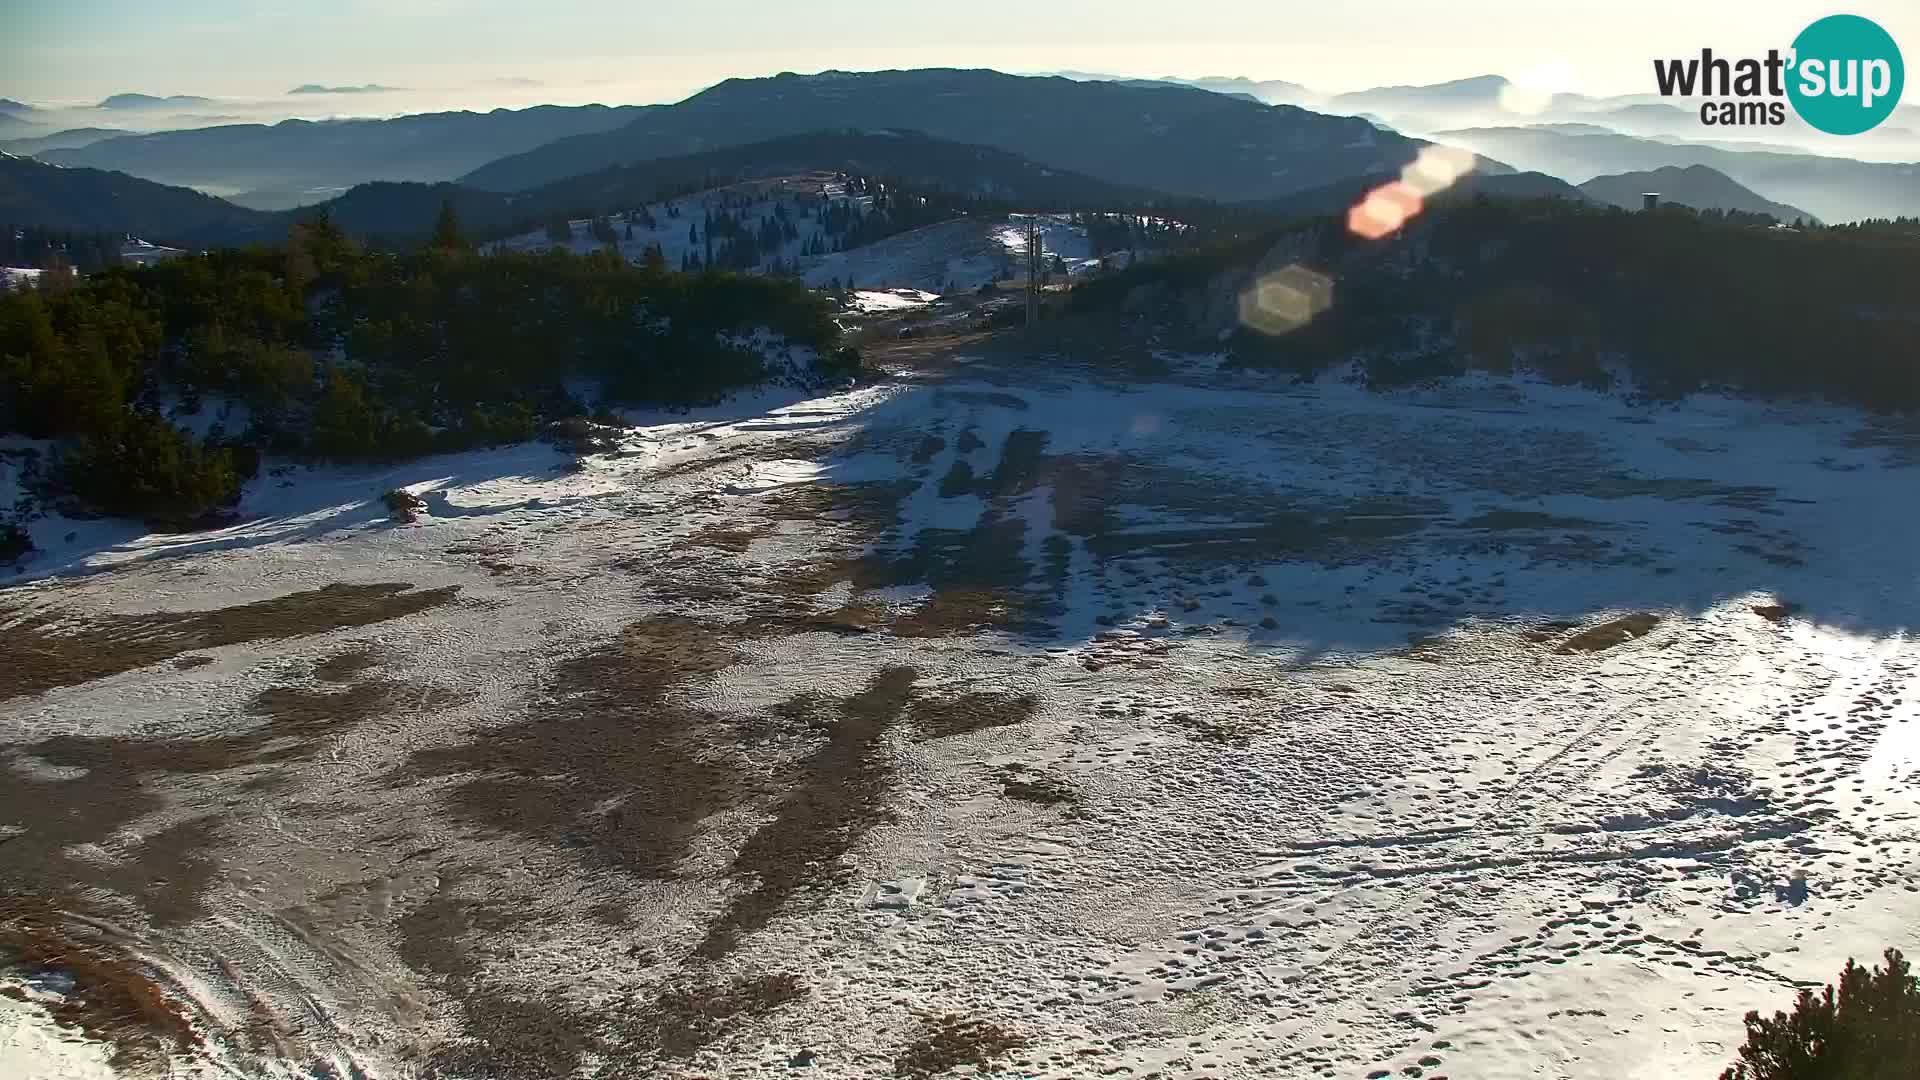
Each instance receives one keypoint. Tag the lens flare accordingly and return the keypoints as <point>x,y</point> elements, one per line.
<point>1437,169</point>
<point>1285,300</point>
<point>1384,210</point>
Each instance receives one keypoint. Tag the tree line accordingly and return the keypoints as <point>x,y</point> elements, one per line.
<point>329,352</point>
<point>1674,300</point>
<point>35,247</point>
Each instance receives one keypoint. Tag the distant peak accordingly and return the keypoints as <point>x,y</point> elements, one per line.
<point>368,88</point>
<point>148,101</point>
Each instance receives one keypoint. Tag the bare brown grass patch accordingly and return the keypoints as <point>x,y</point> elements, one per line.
<point>835,797</point>
<point>1542,633</point>
<point>1613,632</point>
<point>1042,789</point>
<point>346,666</point>
<point>940,718</point>
<point>115,999</point>
<point>732,539</point>
<point>608,766</point>
<point>950,1041</point>
<point>682,1021</point>
<point>925,450</point>
<point>41,650</point>
<point>960,612</point>
<point>512,1037</point>
<point>122,779</point>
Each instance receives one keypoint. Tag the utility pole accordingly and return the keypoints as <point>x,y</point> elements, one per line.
<point>1033,270</point>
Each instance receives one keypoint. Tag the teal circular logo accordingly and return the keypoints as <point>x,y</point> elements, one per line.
<point>1847,75</point>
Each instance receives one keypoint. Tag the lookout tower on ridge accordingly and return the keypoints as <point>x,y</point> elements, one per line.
<point>1649,200</point>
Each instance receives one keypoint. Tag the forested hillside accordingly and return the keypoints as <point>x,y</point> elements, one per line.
<point>320,349</point>
<point>1675,301</point>
<point>35,193</point>
<point>328,352</point>
<point>957,177</point>
<point>36,247</point>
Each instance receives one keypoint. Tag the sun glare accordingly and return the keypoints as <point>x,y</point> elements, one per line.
<point>1385,209</point>
<point>1285,300</point>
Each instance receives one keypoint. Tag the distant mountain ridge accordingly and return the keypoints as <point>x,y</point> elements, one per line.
<point>911,156</point>
<point>1694,185</point>
<point>369,88</point>
<point>68,139</point>
<point>339,153</point>
<point>149,101</point>
<point>36,193</point>
<point>398,210</point>
<point>1176,139</point>
<point>1495,182</point>
<point>1474,91</point>
<point>1834,189</point>
<point>1267,91</point>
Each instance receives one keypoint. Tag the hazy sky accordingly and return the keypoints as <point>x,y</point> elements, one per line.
<point>621,51</point>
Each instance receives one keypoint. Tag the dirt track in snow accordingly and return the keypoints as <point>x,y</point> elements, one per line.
<point>1000,714</point>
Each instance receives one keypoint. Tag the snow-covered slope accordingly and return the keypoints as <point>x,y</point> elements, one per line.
<point>951,256</point>
<point>1207,727</point>
<point>678,226</point>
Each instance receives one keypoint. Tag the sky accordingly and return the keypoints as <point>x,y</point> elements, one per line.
<point>483,53</point>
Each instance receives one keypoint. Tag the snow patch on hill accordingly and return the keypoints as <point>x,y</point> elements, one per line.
<point>19,277</point>
<point>872,302</point>
<point>678,226</point>
<point>33,1045</point>
<point>951,256</point>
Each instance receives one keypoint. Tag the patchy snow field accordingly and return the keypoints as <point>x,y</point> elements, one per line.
<point>19,277</point>
<point>1010,716</point>
<point>952,256</point>
<point>751,200</point>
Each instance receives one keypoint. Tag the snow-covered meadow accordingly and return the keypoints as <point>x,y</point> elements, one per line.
<point>1211,726</point>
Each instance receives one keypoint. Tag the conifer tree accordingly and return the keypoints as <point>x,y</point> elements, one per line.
<point>446,230</point>
<point>1868,1030</point>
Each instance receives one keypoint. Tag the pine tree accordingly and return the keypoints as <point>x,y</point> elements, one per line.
<point>300,266</point>
<point>1869,1030</point>
<point>446,230</point>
